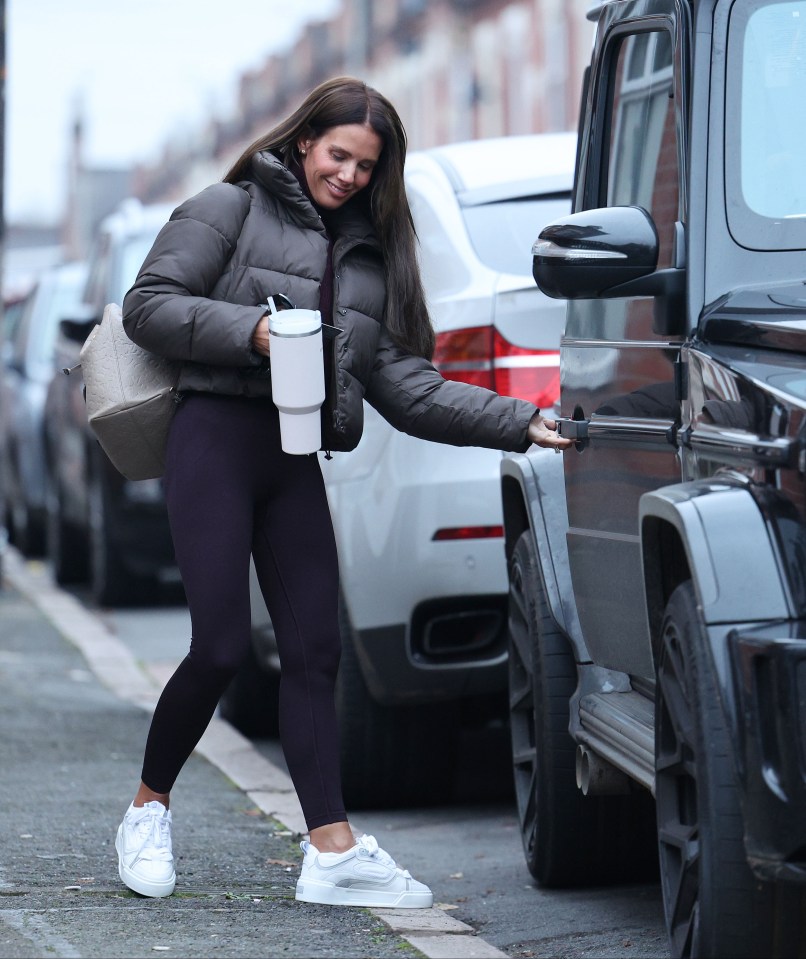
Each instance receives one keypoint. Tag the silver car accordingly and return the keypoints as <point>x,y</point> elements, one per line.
<point>28,367</point>
<point>103,530</point>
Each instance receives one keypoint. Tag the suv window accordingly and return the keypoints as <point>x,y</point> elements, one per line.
<point>766,90</point>
<point>642,167</point>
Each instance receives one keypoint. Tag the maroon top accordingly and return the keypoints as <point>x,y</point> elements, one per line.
<point>326,289</point>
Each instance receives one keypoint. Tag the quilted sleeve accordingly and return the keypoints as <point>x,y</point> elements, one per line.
<point>414,397</point>
<point>169,311</point>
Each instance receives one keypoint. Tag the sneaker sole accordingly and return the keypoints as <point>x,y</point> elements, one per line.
<point>154,890</point>
<point>310,890</point>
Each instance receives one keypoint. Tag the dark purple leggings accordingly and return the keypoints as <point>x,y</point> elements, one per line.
<point>232,492</point>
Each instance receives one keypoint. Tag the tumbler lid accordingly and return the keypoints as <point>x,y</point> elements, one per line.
<point>296,322</point>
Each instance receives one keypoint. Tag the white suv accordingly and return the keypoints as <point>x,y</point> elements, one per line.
<point>419,524</point>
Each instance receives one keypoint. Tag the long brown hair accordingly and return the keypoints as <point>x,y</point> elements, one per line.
<point>339,102</point>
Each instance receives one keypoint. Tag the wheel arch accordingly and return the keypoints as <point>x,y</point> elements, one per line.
<point>715,534</point>
<point>533,500</point>
<point>666,566</point>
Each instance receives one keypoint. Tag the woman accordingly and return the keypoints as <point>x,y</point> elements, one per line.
<point>316,210</point>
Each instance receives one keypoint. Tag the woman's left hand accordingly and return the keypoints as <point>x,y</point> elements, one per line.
<point>543,432</point>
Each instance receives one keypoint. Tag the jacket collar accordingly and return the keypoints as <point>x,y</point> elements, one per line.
<point>348,222</point>
<point>272,175</point>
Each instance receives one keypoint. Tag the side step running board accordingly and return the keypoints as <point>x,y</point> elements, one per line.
<point>620,727</point>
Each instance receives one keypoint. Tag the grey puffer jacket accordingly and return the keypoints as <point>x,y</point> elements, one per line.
<point>203,287</point>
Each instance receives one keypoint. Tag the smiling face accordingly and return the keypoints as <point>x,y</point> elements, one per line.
<point>340,163</point>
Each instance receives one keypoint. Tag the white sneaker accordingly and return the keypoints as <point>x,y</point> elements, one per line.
<point>363,876</point>
<point>145,857</point>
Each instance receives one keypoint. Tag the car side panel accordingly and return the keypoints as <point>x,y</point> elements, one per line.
<point>385,517</point>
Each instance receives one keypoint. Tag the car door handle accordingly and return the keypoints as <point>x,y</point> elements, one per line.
<point>648,433</point>
<point>575,429</point>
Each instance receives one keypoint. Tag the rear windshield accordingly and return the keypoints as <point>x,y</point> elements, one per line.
<point>502,233</point>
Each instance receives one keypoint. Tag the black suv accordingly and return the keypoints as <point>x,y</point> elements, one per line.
<point>657,571</point>
<point>103,529</point>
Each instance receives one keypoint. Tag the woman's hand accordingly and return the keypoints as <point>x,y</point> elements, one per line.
<point>543,432</point>
<point>260,336</point>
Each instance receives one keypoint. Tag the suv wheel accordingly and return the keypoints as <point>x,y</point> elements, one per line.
<point>391,755</point>
<point>713,903</point>
<point>569,839</point>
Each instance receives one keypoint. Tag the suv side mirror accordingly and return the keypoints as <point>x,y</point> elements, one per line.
<point>609,252</point>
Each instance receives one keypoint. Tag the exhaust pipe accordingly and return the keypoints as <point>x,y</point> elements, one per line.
<point>598,777</point>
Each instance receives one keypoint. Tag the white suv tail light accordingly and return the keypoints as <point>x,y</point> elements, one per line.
<point>480,355</point>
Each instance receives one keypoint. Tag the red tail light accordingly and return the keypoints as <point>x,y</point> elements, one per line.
<point>468,532</point>
<point>481,356</point>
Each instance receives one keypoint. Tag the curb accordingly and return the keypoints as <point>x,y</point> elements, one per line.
<point>436,934</point>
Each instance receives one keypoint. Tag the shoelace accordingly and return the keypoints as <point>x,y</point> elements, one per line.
<point>370,845</point>
<point>154,831</point>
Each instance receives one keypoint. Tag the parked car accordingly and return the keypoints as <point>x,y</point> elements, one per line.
<point>12,306</point>
<point>103,529</point>
<point>28,367</point>
<point>418,524</point>
<point>657,591</point>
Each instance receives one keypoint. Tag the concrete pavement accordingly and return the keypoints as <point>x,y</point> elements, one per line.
<point>74,719</point>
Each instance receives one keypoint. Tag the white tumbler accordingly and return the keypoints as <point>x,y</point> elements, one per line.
<point>297,376</point>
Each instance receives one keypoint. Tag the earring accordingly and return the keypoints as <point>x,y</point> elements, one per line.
<point>303,153</point>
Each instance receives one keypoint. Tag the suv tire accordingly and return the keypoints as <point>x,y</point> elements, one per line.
<point>569,839</point>
<point>710,911</point>
<point>391,755</point>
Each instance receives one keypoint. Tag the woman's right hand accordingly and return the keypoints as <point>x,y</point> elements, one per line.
<point>260,336</point>
<point>544,433</point>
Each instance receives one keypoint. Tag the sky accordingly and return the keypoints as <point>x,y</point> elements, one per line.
<point>142,71</point>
